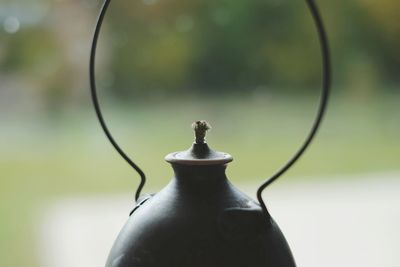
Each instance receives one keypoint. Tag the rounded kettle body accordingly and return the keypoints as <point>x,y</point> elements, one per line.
<point>200,220</point>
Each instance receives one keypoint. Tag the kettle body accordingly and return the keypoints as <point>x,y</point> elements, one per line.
<point>200,220</point>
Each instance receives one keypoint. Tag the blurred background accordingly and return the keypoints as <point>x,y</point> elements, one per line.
<point>251,68</point>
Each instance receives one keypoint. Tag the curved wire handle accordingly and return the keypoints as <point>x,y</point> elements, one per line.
<point>96,101</point>
<point>326,84</point>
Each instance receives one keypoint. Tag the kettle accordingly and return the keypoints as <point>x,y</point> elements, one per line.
<point>200,219</point>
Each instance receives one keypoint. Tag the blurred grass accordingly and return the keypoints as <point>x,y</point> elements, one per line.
<point>46,157</point>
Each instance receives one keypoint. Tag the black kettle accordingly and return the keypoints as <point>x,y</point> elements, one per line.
<point>200,219</point>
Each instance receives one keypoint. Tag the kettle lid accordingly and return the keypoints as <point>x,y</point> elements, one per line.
<point>199,153</point>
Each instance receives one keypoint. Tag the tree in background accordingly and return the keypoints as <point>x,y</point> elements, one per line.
<point>154,47</point>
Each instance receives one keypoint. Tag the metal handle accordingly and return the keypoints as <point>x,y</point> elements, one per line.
<point>326,84</point>
<point>96,101</point>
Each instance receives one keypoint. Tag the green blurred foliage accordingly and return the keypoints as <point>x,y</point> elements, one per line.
<point>211,46</point>
<point>154,47</point>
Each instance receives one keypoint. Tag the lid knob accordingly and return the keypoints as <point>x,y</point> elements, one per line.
<point>199,153</point>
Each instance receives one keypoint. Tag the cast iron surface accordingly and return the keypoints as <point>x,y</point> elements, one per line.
<point>200,220</point>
